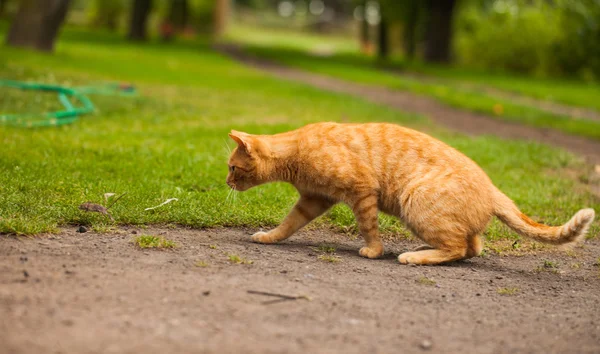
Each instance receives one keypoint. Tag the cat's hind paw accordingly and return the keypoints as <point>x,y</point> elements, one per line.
<point>407,258</point>
<point>371,252</point>
<point>263,237</point>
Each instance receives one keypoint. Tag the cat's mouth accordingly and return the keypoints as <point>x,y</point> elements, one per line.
<point>238,188</point>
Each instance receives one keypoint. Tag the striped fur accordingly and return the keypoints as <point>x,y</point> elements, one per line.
<point>440,194</point>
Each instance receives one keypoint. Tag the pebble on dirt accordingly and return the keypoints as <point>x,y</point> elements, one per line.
<point>82,229</point>
<point>426,344</point>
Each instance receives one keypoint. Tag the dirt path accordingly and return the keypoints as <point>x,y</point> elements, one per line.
<point>449,117</point>
<point>90,293</point>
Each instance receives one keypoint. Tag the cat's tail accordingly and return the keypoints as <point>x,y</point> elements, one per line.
<point>573,231</point>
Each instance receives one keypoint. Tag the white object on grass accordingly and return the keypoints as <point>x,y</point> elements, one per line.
<point>163,203</point>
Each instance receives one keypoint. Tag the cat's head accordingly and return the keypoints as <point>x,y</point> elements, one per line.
<point>248,163</point>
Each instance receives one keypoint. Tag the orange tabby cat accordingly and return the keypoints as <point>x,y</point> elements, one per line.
<point>441,195</point>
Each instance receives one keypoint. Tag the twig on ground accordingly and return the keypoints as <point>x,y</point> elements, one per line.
<point>281,297</point>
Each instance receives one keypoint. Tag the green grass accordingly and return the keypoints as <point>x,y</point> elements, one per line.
<point>548,266</point>
<point>235,259</point>
<point>508,291</point>
<point>150,241</point>
<point>171,142</point>
<point>325,249</point>
<point>201,264</point>
<point>329,258</point>
<point>567,91</point>
<point>426,281</point>
<point>456,87</point>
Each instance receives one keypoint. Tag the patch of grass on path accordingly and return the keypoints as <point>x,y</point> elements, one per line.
<point>508,291</point>
<point>150,241</point>
<point>171,142</point>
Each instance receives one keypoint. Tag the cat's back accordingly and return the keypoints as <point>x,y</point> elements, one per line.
<point>369,139</point>
<point>389,149</point>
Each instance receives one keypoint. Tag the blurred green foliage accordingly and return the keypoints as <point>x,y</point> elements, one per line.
<point>109,13</point>
<point>579,49</point>
<point>106,13</point>
<point>537,37</point>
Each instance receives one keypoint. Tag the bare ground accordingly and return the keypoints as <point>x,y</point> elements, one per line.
<point>90,293</point>
<point>445,115</point>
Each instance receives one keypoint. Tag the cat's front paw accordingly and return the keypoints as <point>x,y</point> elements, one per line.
<point>371,252</point>
<point>263,237</point>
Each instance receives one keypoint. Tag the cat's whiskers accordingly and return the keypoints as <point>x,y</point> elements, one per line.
<point>227,148</point>
<point>227,200</point>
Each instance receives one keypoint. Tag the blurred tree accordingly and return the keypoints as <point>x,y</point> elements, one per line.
<point>382,38</point>
<point>176,19</point>
<point>179,14</point>
<point>577,50</point>
<point>37,23</point>
<point>201,15</point>
<point>408,14</point>
<point>439,30</point>
<point>221,14</point>
<point>365,40</point>
<point>139,18</point>
<point>106,13</point>
<point>411,21</point>
<point>2,5</point>
<point>429,21</point>
<point>539,37</point>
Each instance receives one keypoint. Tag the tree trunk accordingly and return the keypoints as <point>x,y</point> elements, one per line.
<point>383,47</point>
<point>178,14</point>
<point>221,15</point>
<point>107,14</point>
<point>439,33</point>
<point>365,41</point>
<point>37,23</point>
<point>139,18</point>
<point>410,29</point>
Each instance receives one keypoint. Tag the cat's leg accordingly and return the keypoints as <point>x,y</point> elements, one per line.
<point>306,209</point>
<point>475,246</point>
<point>422,248</point>
<point>432,256</point>
<point>446,249</point>
<point>365,211</point>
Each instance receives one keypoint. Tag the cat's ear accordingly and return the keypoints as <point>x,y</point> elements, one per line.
<point>242,139</point>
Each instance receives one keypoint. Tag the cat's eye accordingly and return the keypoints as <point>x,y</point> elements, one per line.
<point>231,169</point>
